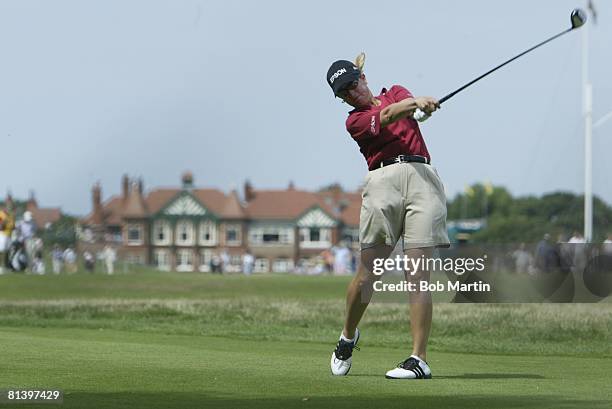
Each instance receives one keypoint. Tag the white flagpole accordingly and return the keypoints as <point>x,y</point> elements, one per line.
<point>588,136</point>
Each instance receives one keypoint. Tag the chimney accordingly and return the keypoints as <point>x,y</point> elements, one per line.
<point>135,188</point>
<point>140,186</point>
<point>125,186</point>
<point>291,185</point>
<point>336,191</point>
<point>9,203</point>
<point>187,180</point>
<point>96,193</point>
<point>249,194</point>
<point>31,201</point>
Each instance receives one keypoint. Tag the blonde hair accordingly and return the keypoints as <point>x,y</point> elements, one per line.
<point>360,61</point>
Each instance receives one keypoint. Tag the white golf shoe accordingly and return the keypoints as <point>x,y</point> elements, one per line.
<point>412,368</point>
<point>341,359</point>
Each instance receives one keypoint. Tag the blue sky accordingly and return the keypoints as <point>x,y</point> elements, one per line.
<point>236,90</point>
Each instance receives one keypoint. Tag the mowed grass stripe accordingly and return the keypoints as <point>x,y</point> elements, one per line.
<point>126,369</point>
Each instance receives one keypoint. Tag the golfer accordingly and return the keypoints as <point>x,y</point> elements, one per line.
<point>403,198</point>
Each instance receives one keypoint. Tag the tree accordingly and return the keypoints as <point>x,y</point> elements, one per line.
<point>526,218</point>
<point>62,232</point>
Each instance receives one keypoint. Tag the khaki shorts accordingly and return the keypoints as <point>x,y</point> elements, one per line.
<point>404,200</point>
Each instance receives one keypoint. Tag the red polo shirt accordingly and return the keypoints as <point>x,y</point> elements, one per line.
<point>402,137</point>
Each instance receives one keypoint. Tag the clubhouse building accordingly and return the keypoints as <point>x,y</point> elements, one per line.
<point>183,228</point>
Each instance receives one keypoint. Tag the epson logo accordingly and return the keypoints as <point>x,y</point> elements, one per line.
<point>337,74</point>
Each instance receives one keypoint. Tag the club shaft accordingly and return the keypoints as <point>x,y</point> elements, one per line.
<point>452,94</point>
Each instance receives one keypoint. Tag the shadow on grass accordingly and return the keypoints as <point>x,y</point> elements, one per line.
<point>468,376</point>
<point>198,400</point>
<point>492,376</point>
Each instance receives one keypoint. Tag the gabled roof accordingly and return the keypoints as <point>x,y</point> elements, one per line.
<point>213,199</point>
<point>232,207</point>
<point>289,204</point>
<point>158,198</point>
<point>284,204</point>
<point>316,216</point>
<point>222,205</point>
<point>134,205</point>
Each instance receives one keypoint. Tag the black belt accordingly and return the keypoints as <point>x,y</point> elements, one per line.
<point>404,159</point>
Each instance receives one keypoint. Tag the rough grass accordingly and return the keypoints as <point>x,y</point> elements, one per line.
<point>543,329</point>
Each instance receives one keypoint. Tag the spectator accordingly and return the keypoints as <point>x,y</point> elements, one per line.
<point>57,258</point>
<point>328,260</point>
<point>248,263</point>
<point>318,266</point>
<point>24,232</point>
<point>342,259</point>
<point>522,259</point>
<point>38,266</point>
<point>225,261</point>
<point>579,251</point>
<point>90,262</point>
<point>215,264</point>
<point>6,229</point>
<point>37,246</point>
<point>109,256</point>
<point>70,259</point>
<point>545,255</point>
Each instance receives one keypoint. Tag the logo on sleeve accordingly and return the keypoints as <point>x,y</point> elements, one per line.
<point>373,124</point>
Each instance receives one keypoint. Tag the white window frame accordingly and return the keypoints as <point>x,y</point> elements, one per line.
<point>282,265</point>
<point>325,235</point>
<point>353,233</point>
<point>166,228</point>
<point>206,256</point>
<point>190,240</point>
<point>134,242</point>
<point>179,260</point>
<point>161,255</point>
<point>234,265</point>
<point>208,226</point>
<point>236,260</point>
<point>285,234</point>
<point>262,265</point>
<point>238,229</point>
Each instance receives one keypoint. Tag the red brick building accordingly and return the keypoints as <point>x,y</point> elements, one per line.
<point>43,216</point>
<point>182,228</point>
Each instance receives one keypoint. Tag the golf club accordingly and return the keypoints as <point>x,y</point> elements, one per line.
<point>578,18</point>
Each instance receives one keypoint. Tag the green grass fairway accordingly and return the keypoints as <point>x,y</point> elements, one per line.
<point>155,340</point>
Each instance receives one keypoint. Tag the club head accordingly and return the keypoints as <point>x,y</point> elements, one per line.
<point>578,18</point>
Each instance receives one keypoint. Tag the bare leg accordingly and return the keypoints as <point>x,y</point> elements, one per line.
<point>421,307</point>
<point>359,291</point>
